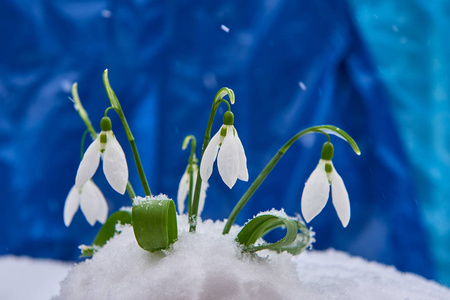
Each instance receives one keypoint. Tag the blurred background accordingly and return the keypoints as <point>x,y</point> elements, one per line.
<point>377,69</point>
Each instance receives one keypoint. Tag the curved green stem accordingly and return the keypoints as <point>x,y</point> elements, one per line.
<point>84,116</point>
<point>340,133</point>
<point>108,109</point>
<point>186,141</point>
<point>217,100</point>
<point>80,109</point>
<point>324,129</point>
<point>116,105</point>
<point>222,100</point>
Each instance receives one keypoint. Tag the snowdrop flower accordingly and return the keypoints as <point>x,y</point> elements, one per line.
<point>92,203</point>
<point>317,189</point>
<point>231,159</point>
<point>183,189</point>
<point>114,162</point>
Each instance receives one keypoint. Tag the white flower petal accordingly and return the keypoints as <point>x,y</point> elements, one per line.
<point>243,172</point>
<point>90,206</point>
<point>209,156</point>
<point>201,200</point>
<point>228,159</point>
<point>340,198</point>
<point>71,205</point>
<point>183,190</point>
<point>316,191</point>
<point>89,163</point>
<point>102,212</point>
<point>114,164</point>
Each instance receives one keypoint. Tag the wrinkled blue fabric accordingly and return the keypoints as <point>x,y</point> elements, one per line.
<point>166,61</point>
<point>409,42</point>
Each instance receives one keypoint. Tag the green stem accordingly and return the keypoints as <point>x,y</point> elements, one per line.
<point>186,141</point>
<point>191,187</point>
<point>116,104</point>
<point>84,116</point>
<point>190,170</point>
<point>108,109</point>
<point>217,100</point>
<point>82,144</point>
<point>137,160</point>
<point>80,109</point>
<point>130,191</point>
<point>255,185</point>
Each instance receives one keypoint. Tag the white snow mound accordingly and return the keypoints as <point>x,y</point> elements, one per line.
<point>208,265</point>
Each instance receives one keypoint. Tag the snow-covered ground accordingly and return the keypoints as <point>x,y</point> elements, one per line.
<point>24,278</point>
<point>208,265</point>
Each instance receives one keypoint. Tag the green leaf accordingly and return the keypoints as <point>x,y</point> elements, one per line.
<point>87,251</point>
<point>107,231</point>
<point>293,242</point>
<point>155,223</point>
<point>111,95</point>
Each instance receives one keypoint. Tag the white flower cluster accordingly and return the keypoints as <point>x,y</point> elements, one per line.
<point>85,193</point>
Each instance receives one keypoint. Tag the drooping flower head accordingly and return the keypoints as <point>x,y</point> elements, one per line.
<point>317,189</point>
<point>231,160</point>
<point>183,188</point>
<point>92,203</point>
<point>114,163</point>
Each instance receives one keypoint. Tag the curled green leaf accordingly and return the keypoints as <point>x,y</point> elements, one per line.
<point>154,222</point>
<point>107,231</point>
<point>297,237</point>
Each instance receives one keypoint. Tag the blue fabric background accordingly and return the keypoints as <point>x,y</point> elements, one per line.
<point>409,42</point>
<point>166,62</point>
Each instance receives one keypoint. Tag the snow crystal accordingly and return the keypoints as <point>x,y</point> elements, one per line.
<point>126,208</point>
<point>302,85</point>
<point>106,13</point>
<point>66,86</point>
<point>225,28</point>
<point>140,200</point>
<point>308,140</point>
<point>210,80</point>
<point>275,212</point>
<point>209,265</point>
